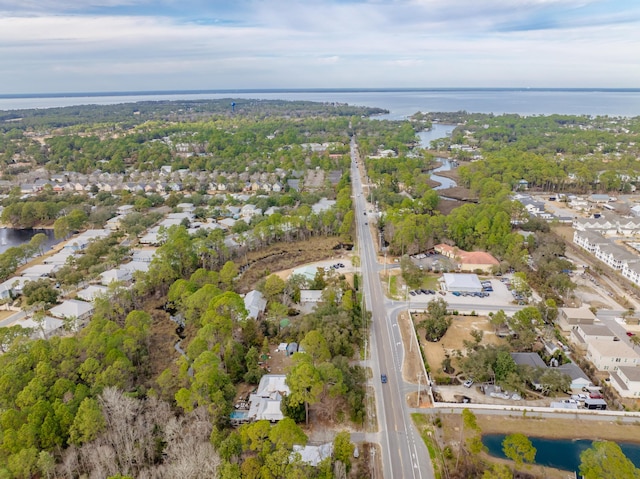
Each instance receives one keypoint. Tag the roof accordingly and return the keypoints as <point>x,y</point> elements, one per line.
<point>72,308</point>
<point>310,295</point>
<point>265,408</point>
<point>91,292</point>
<point>528,359</point>
<point>314,455</point>
<point>49,324</point>
<point>309,272</point>
<point>115,274</point>
<point>255,303</point>
<point>609,348</point>
<point>477,257</point>
<point>573,371</point>
<point>578,313</point>
<point>271,383</point>
<point>461,280</point>
<point>595,330</point>
<point>39,270</point>
<point>632,373</point>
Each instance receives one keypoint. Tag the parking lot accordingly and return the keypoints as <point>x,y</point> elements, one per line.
<point>496,293</point>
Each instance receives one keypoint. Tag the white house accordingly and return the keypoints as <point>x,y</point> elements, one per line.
<point>626,380</point>
<point>313,455</point>
<point>610,355</point>
<point>255,303</point>
<point>265,403</point>
<point>72,308</point>
<point>631,271</point>
<point>115,274</point>
<point>91,292</point>
<point>44,330</point>
<point>310,295</point>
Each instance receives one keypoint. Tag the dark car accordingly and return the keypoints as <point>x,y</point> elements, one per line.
<point>383,378</point>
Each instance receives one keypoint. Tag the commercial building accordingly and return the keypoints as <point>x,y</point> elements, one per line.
<point>464,283</point>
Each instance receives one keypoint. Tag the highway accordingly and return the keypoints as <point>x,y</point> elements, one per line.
<point>404,454</point>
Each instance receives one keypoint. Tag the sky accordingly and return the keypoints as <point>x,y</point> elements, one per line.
<point>51,46</point>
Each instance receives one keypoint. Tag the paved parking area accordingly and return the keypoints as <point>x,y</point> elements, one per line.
<point>500,296</point>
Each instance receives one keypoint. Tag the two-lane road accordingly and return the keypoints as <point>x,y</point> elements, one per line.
<point>403,451</point>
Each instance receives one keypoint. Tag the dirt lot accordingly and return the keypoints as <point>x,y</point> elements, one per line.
<point>453,340</point>
<point>284,256</point>
<point>412,366</point>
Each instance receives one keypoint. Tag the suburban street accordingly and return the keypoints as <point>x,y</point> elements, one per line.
<point>404,454</point>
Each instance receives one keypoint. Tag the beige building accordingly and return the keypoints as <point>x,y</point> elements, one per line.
<point>626,380</point>
<point>582,334</point>
<point>468,260</point>
<point>607,355</point>
<point>570,317</point>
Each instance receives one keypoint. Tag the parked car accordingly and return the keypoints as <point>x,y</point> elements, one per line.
<point>629,333</point>
<point>468,383</point>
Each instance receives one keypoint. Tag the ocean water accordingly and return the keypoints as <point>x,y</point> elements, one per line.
<point>400,103</point>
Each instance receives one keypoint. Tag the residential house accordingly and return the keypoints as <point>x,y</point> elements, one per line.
<point>40,270</point>
<point>631,271</point>
<point>610,355</point>
<point>264,404</point>
<point>144,255</point>
<point>44,329</point>
<point>313,455</point>
<point>186,207</point>
<point>615,256</point>
<point>626,380</point>
<point>72,309</point>
<point>310,296</point>
<point>255,303</point>
<point>579,379</point>
<point>589,240</point>
<point>91,292</point>
<point>249,211</point>
<point>115,274</point>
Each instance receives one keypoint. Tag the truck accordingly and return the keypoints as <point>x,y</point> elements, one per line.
<point>590,403</point>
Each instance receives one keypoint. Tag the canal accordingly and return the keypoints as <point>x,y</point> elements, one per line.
<point>438,131</point>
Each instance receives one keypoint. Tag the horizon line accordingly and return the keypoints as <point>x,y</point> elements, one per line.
<point>305,90</point>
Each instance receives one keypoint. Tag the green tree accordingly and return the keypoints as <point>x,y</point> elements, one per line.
<point>498,471</point>
<point>88,423</point>
<point>343,449</point>
<point>273,287</point>
<point>305,383</point>
<point>286,433</point>
<point>316,347</point>
<point>519,449</point>
<point>606,459</point>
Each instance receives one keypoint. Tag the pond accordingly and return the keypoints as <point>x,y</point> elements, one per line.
<point>15,237</point>
<point>559,453</point>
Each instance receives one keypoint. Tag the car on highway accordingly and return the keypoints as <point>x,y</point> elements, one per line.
<point>383,378</point>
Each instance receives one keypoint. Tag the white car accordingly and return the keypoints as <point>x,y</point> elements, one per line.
<point>468,383</point>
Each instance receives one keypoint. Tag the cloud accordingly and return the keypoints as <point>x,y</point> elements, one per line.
<point>127,44</point>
